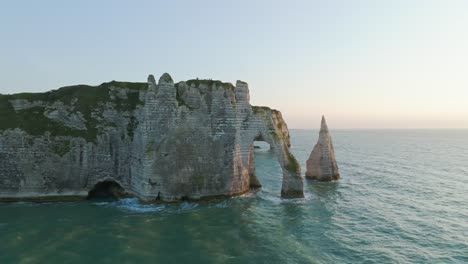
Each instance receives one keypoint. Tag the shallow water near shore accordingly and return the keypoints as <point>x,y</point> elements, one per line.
<point>403,198</point>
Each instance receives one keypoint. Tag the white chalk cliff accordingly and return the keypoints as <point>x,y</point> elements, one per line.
<point>164,140</point>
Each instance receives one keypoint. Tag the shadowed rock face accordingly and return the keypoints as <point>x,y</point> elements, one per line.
<point>106,189</point>
<point>159,140</point>
<point>321,164</point>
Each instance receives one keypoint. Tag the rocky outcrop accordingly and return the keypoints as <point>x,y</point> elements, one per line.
<point>321,164</point>
<point>163,140</point>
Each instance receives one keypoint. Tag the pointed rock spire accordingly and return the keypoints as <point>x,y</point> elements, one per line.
<point>323,125</point>
<point>321,164</point>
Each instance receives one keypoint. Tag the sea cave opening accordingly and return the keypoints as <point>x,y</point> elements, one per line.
<point>107,190</point>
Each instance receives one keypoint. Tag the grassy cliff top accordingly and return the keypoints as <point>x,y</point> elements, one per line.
<point>81,98</point>
<point>259,109</point>
<point>66,93</point>
<point>209,83</point>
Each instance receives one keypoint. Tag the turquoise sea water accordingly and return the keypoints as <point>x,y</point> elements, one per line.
<point>403,198</point>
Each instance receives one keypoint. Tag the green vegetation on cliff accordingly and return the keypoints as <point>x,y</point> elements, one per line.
<point>33,121</point>
<point>293,165</point>
<point>259,109</point>
<point>205,87</point>
<point>61,147</point>
<point>80,98</point>
<point>210,83</point>
<point>132,125</point>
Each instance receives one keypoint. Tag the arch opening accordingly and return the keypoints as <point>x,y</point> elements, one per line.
<point>264,168</point>
<point>107,190</point>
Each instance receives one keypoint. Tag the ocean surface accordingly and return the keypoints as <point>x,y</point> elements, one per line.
<point>403,198</point>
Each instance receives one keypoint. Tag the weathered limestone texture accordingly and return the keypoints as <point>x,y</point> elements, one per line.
<point>163,140</point>
<point>321,164</point>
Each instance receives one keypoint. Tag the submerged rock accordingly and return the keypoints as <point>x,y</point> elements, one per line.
<point>321,164</point>
<point>163,140</point>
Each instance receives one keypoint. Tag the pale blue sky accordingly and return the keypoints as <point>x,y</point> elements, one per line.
<point>364,64</point>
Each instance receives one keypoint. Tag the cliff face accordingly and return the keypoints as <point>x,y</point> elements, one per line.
<point>156,140</point>
<point>321,164</point>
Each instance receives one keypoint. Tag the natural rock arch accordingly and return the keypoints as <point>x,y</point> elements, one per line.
<point>273,130</point>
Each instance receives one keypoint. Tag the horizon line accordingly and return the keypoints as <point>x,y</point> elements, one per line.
<point>376,128</point>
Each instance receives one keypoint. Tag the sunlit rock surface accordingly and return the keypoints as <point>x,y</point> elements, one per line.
<point>163,140</point>
<point>321,164</point>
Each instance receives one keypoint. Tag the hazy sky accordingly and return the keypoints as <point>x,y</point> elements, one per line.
<point>364,64</point>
